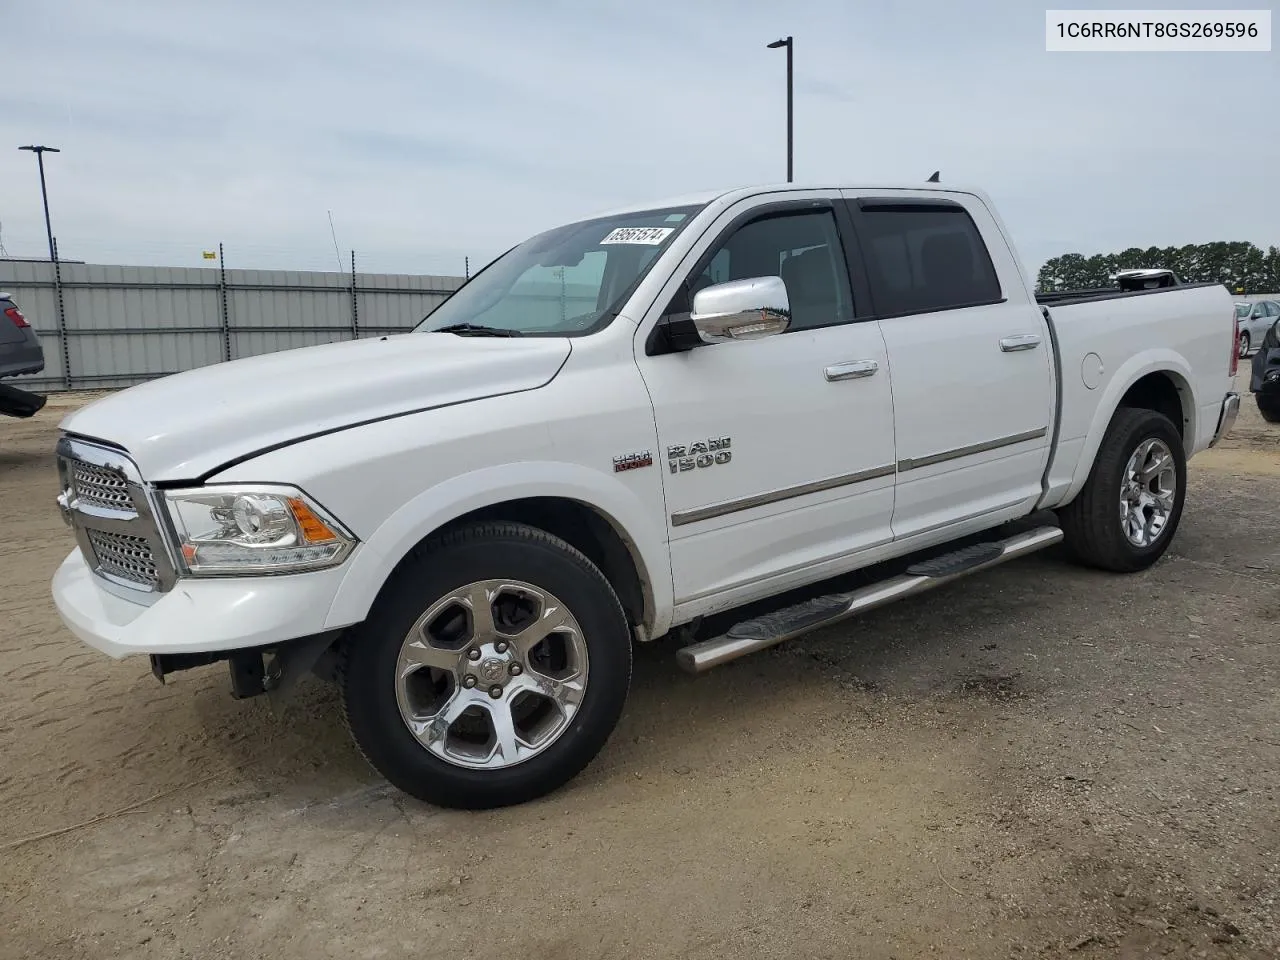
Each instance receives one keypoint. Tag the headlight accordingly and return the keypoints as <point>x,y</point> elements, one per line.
<point>254,530</point>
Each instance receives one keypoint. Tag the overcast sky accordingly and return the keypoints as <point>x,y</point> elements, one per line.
<point>435,130</point>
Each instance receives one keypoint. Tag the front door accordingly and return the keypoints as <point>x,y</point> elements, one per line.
<point>777,454</point>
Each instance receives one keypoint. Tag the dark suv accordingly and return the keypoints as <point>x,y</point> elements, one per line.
<point>1265,379</point>
<point>20,350</point>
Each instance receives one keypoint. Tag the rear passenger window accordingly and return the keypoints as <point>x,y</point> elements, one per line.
<point>923,257</point>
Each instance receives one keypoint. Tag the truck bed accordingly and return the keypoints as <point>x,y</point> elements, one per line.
<point>1064,297</point>
<point>1105,342</point>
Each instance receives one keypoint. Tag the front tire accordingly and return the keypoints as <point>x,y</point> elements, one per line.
<point>1245,344</point>
<point>491,670</point>
<point>1269,407</point>
<point>1126,515</point>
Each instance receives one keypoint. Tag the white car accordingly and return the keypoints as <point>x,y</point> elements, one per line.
<point>467,527</point>
<point>1254,320</point>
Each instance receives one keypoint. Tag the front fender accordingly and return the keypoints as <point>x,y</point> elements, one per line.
<point>446,501</point>
<point>1159,360</point>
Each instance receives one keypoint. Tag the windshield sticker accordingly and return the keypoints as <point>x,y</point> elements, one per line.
<point>650,236</point>
<point>674,218</point>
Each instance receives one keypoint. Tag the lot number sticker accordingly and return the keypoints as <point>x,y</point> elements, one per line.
<point>651,236</point>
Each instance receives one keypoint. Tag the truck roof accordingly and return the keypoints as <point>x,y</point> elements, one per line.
<point>736,193</point>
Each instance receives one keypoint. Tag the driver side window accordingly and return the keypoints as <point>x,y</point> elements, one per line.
<point>803,249</point>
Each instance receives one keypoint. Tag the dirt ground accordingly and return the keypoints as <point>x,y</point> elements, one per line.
<point>1038,761</point>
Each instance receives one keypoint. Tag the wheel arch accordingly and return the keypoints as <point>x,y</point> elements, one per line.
<point>586,528</point>
<point>603,518</point>
<point>1161,383</point>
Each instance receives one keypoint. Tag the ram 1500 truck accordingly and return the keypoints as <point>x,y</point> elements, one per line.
<point>618,428</point>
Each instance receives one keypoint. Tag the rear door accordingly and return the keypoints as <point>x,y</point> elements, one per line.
<point>969,353</point>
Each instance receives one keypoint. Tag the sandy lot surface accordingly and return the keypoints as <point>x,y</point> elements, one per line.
<point>1039,761</point>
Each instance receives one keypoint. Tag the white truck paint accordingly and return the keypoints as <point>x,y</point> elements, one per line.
<point>721,473</point>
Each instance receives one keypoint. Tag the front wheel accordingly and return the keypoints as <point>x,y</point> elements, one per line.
<point>1126,515</point>
<point>491,670</point>
<point>1244,343</point>
<point>1269,407</point>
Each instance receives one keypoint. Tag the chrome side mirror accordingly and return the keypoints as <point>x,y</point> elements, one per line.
<point>741,310</point>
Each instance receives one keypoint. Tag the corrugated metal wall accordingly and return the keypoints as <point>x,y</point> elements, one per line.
<point>123,325</point>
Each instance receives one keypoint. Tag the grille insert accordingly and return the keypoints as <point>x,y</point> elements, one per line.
<point>101,488</point>
<point>128,558</point>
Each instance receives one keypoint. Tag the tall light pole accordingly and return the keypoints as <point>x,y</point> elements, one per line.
<point>787,42</point>
<point>40,151</point>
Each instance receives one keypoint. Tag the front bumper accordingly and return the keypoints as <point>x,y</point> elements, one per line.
<point>1227,416</point>
<point>196,616</point>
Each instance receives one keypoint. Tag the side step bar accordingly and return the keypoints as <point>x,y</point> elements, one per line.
<point>773,628</point>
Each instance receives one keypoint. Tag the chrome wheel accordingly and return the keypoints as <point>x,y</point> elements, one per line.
<point>491,674</point>
<point>1147,492</point>
<point>1244,345</point>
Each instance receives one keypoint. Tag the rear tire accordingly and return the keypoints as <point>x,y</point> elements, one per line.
<point>447,688</point>
<point>1269,407</point>
<point>1126,515</point>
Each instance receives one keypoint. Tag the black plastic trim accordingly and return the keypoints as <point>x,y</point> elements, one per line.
<point>1057,405</point>
<point>914,205</point>
<point>856,265</point>
<point>954,306</point>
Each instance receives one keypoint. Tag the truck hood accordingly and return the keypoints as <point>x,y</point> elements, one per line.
<point>184,426</point>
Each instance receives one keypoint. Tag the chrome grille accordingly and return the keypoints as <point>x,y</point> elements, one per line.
<point>105,501</point>
<point>98,487</point>
<point>125,557</point>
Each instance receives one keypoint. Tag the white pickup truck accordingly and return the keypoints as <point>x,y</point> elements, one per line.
<point>618,428</point>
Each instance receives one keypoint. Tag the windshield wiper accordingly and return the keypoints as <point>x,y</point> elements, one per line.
<point>477,330</point>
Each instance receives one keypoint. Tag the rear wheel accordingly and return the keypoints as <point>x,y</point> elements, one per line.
<point>491,670</point>
<point>1126,515</point>
<point>1269,406</point>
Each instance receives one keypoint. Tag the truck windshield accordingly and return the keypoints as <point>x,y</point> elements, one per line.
<point>565,282</point>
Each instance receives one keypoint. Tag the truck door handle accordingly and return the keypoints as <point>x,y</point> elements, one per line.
<point>852,370</point>
<point>1027,341</point>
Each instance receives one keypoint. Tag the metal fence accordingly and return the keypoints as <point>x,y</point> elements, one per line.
<point>112,326</point>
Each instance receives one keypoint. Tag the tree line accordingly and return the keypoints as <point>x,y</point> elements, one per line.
<point>1242,267</point>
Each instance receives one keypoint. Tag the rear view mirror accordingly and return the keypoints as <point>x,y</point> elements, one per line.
<point>741,310</point>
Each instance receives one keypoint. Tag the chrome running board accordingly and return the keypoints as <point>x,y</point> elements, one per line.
<point>790,622</point>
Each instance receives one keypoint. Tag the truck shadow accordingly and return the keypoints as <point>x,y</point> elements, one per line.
<point>948,632</point>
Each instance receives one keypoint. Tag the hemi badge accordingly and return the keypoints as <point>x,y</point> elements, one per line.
<point>632,461</point>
